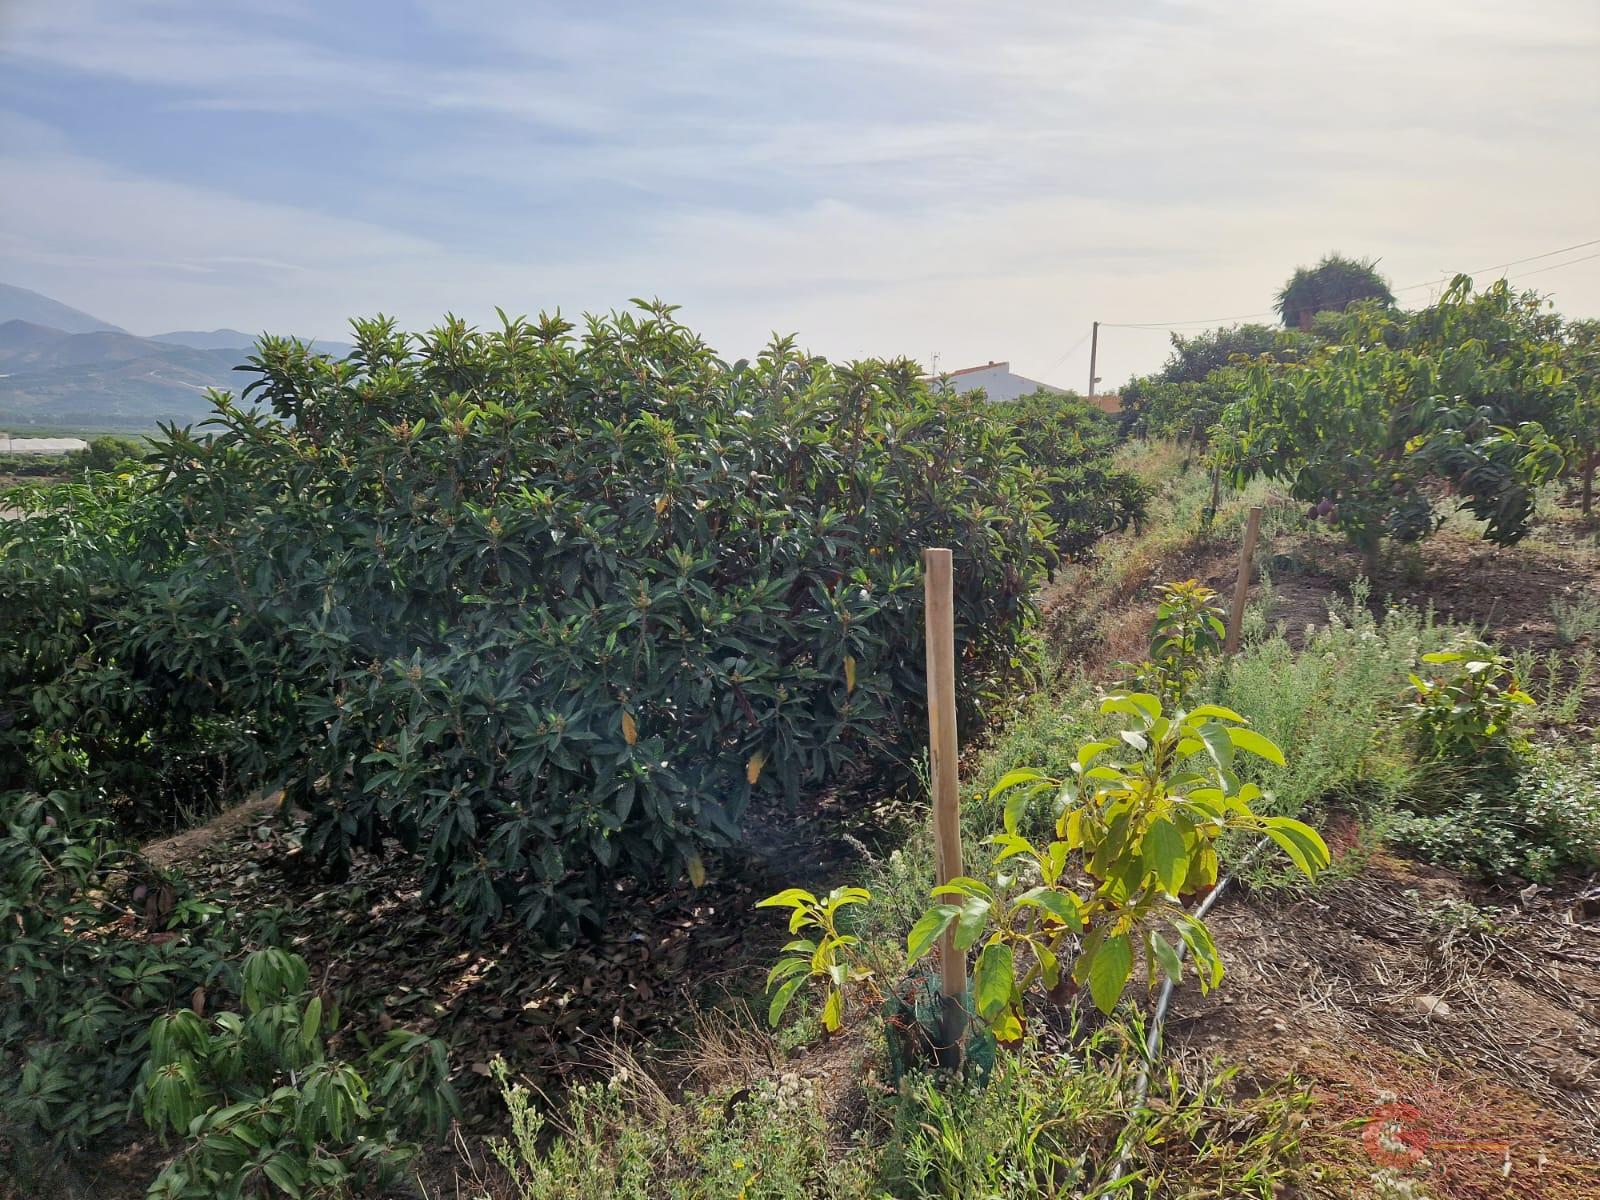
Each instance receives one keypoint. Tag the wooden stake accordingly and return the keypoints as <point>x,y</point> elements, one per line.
<point>1241,589</point>
<point>941,641</point>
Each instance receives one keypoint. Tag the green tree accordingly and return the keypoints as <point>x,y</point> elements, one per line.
<point>1464,392</point>
<point>1068,442</point>
<point>1201,376</point>
<point>1583,427</point>
<point>1333,285</point>
<point>107,453</point>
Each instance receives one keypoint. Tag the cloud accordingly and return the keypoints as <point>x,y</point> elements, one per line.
<point>981,181</point>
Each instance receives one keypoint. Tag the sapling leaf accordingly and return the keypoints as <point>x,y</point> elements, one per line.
<point>928,930</point>
<point>1063,906</point>
<point>1166,855</point>
<point>833,1010</point>
<point>1108,971</point>
<point>1166,955</point>
<point>1252,742</point>
<point>1301,843</point>
<point>970,924</point>
<point>993,979</point>
<point>781,998</point>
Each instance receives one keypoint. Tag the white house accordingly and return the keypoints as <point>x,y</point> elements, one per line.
<point>1000,382</point>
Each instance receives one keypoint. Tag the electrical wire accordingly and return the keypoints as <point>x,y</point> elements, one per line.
<point>1067,353</point>
<point>1558,266</point>
<point>1410,287</point>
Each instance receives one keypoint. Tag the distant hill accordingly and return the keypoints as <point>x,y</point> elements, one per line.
<point>19,304</point>
<point>63,368</point>
<point>105,379</point>
<point>234,339</point>
<point>215,339</point>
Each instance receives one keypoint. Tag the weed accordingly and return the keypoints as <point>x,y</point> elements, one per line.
<point>1543,821</point>
<point>1576,619</point>
<point>625,1139</point>
<point>1557,682</point>
<point>1347,669</point>
<point>1053,1127</point>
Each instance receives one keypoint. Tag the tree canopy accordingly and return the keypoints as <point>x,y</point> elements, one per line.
<point>1332,285</point>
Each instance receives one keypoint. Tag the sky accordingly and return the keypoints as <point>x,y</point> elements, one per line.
<point>952,181</point>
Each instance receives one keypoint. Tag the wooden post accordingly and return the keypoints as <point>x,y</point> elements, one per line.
<point>1241,589</point>
<point>941,640</point>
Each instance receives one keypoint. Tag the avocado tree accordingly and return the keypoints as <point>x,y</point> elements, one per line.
<point>1463,394</point>
<point>1201,376</point>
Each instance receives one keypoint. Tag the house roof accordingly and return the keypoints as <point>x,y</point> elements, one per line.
<point>1004,366</point>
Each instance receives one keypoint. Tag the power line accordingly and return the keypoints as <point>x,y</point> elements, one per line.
<point>1572,262</point>
<point>1175,324</point>
<point>1066,354</point>
<point>1410,287</point>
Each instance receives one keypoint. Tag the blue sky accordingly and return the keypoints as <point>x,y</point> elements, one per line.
<point>974,181</point>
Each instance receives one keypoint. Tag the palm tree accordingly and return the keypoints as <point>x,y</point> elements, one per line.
<point>1333,285</point>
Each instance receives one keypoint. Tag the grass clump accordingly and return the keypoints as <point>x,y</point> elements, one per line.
<point>1541,821</point>
<point>1331,702</point>
<point>1048,1125</point>
<point>626,1139</point>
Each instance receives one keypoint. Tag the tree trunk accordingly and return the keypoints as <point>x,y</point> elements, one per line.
<point>1369,561</point>
<point>1588,483</point>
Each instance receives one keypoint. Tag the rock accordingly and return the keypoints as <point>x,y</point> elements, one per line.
<point>1432,1008</point>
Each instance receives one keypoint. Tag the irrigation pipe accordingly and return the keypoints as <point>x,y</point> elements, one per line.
<point>1152,1038</point>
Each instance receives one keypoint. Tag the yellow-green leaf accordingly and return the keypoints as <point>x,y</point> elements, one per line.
<point>1252,742</point>
<point>1108,971</point>
<point>993,980</point>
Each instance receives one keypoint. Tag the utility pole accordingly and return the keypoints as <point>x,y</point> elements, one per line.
<point>1094,352</point>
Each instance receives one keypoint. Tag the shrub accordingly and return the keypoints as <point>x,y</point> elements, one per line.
<point>262,1108</point>
<point>1467,708</point>
<point>107,453</point>
<point>1353,666</point>
<point>99,658</point>
<point>1576,619</point>
<point>548,611</point>
<point>1464,393</point>
<point>94,944</point>
<point>1069,442</point>
<point>1201,376</point>
<point>1541,823</point>
<point>1047,1124</point>
<point>1052,1125</point>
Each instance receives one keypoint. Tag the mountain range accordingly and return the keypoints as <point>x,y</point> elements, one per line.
<point>64,368</point>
